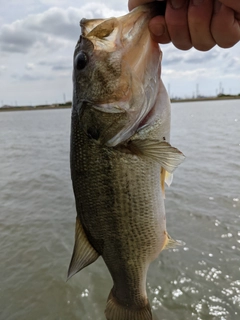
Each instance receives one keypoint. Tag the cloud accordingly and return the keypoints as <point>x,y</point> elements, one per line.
<point>174,59</point>
<point>118,5</point>
<point>37,42</point>
<point>48,28</point>
<point>41,30</point>
<point>233,64</point>
<point>57,64</point>
<point>187,60</point>
<point>29,77</point>
<point>171,56</point>
<point>60,67</point>
<point>55,21</point>
<point>207,68</point>
<point>2,69</point>
<point>187,74</point>
<point>25,77</point>
<point>13,39</point>
<point>196,57</point>
<point>29,66</point>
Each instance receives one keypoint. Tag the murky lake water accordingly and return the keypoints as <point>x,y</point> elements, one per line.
<point>200,280</point>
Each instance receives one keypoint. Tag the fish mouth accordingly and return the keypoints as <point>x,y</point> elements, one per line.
<point>128,26</point>
<point>133,59</point>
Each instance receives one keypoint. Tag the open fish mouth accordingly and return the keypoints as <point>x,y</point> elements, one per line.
<point>128,25</point>
<point>129,78</point>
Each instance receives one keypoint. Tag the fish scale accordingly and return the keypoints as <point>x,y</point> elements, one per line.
<point>120,156</point>
<point>115,203</point>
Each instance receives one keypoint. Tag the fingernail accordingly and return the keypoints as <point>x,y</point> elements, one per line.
<point>197,2</point>
<point>177,4</point>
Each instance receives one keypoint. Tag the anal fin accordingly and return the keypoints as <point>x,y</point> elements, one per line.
<point>83,252</point>
<point>170,243</point>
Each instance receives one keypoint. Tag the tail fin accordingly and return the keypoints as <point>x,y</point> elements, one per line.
<point>116,311</point>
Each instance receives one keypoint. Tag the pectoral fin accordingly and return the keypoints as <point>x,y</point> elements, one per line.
<point>83,253</point>
<point>162,152</point>
<point>168,178</point>
<point>163,173</point>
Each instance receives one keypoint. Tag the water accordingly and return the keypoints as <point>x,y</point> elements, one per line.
<point>200,280</point>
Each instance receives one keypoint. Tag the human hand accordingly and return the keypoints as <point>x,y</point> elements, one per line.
<point>196,23</point>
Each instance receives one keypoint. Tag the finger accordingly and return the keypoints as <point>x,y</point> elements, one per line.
<point>157,25</point>
<point>199,20</point>
<point>225,27</point>
<point>159,30</point>
<point>233,4</point>
<point>176,17</point>
<point>135,3</point>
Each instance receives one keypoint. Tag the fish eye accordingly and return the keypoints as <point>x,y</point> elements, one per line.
<point>81,60</point>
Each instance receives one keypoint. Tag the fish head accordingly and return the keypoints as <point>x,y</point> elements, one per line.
<point>116,74</point>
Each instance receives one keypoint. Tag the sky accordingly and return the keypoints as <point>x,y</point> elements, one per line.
<point>37,40</point>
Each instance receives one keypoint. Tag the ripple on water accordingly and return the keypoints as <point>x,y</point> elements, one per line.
<point>198,281</point>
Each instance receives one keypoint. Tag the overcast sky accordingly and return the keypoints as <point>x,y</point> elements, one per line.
<point>37,40</point>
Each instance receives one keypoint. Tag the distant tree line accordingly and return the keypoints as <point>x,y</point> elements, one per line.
<point>222,95</point>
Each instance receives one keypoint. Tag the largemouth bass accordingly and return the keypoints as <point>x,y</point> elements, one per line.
<point>120,155</point>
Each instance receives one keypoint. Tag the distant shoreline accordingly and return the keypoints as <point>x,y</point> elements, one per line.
<point>45,107</point>
<point>207,99</point>
<point>69,104</point>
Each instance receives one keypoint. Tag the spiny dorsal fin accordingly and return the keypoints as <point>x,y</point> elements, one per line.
<point>83,253</point>
<point>162,152</point>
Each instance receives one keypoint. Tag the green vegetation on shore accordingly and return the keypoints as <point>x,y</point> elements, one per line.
<point>202,98</point>
<point>69,103</point>
<point>39,107</point>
